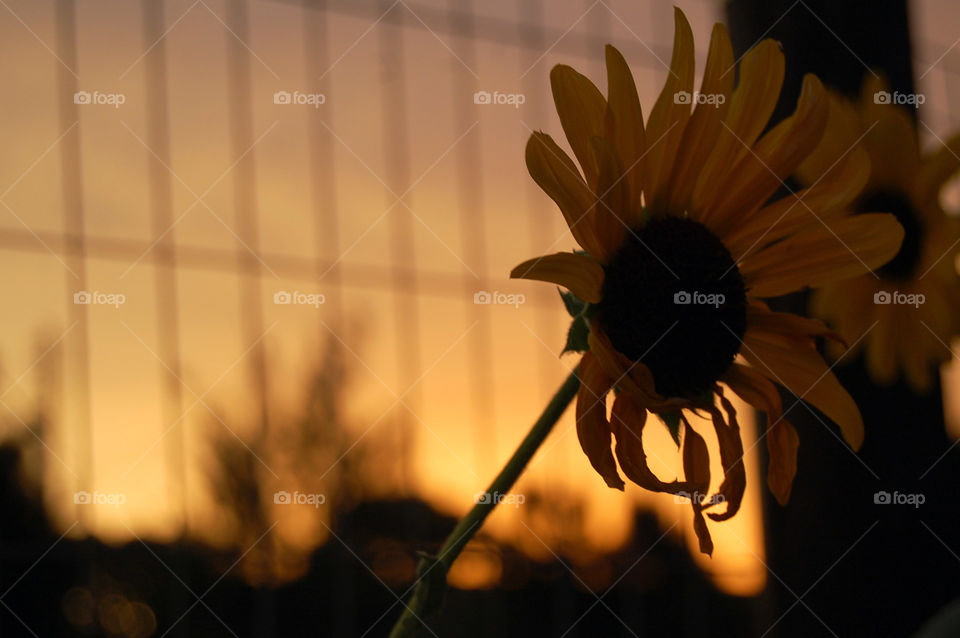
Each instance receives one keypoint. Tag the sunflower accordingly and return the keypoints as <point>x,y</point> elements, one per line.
<point>909,308</point>
<point>663,212</point>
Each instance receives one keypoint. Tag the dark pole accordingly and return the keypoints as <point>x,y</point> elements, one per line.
<point>861,569</point>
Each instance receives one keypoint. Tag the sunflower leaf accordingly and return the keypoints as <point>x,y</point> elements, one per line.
<point>577,336</point>
<point>672,421</point>
<point>572,303</point>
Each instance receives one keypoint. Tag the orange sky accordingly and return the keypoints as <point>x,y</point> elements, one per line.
<point>460,441</point>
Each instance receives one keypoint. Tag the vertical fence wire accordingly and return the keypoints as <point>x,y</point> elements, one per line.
<point>167,302</point>
<point>242,141</point>
<point>71,169</point>
<point>470,187</point>
<point>404,278</point>
<point>323,166</point>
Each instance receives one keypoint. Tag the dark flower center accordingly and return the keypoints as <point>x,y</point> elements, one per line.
<point>674,299</point>
<point>905,262</point>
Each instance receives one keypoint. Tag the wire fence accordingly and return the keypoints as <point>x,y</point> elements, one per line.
<point>342,44</point>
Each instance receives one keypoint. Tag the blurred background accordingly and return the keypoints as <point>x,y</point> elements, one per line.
<point>259,344</point>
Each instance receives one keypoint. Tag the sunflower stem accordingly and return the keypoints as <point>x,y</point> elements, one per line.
<point>432,570</point>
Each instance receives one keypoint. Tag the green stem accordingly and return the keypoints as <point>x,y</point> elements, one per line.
<point>432,572</point>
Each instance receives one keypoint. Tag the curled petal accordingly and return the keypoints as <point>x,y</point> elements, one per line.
<point>627,421</point>
<point>634,378</point>
<point>696,468</point>
<point>731,458</point>
<point>593,429</point>
<point>782,439</point>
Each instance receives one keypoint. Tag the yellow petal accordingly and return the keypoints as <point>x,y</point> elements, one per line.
<point>848,247</point>
<point>611,217</point>
<point>593,429</point>
<point>554,171</point>
<point>802,371</point>
<point>581,108</point>
<point>704,128</point>
<point>624,127</point>
<point>891,139</point>
<point>751,105</point>
<point>755,389</point>
<point>778,153</point>
<point>782,445</point>
<point>788,324</point>
<point>849,307</point>
<point>669,116</point>
<point>829,197</point>
<point>580,274</point>
<point>842,130</point>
